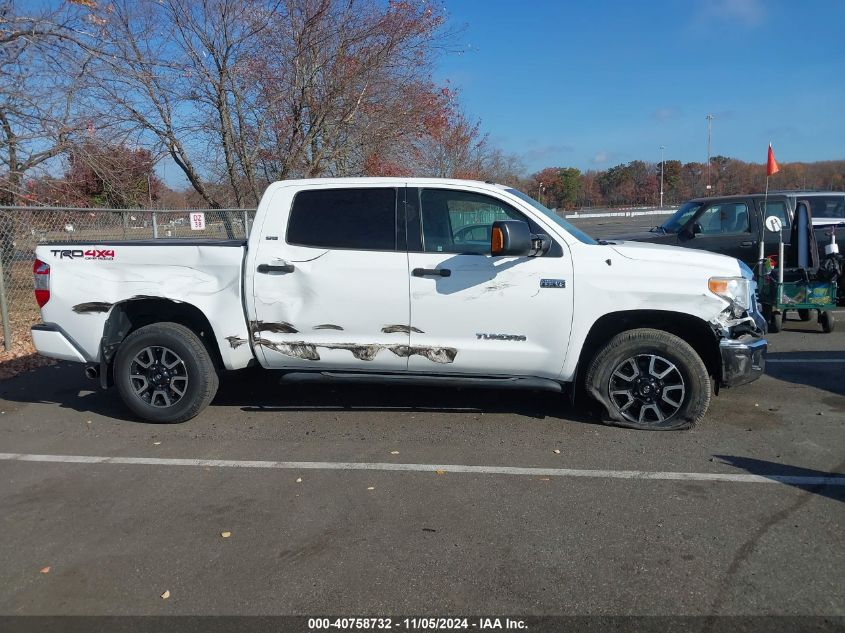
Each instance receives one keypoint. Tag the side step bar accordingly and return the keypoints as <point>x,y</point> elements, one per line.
<point>509,382</point>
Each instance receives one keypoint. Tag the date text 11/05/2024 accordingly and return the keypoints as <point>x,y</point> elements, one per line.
<point>416,624</point>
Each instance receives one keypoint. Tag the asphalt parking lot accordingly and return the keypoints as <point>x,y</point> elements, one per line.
<point>425,501</point>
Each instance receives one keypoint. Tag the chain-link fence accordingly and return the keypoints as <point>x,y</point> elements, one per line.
<point>23,228</point>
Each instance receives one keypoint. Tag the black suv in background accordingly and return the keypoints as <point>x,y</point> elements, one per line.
<point>733,225</point>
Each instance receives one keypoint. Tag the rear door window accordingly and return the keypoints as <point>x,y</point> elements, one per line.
<point>776,208</point>
<point>354,219</point>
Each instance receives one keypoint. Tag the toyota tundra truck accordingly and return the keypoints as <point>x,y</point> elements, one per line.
<point>405,280</point>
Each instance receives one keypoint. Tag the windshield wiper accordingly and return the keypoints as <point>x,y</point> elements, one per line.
<point>654,229</point>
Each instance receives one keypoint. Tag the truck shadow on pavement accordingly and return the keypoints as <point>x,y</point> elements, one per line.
<point>63,384</point>
<point>260,391</point>
<point>788,366</point>
<point>784,474</point>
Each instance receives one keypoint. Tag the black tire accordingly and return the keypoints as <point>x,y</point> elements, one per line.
<point>766,311</point>
<point>640,345</point>
<point>827,321</point>
<point>776,322</point>
<point>804,314</point>
<point>195,373</point>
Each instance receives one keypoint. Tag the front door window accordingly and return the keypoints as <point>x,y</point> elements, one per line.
<point>723,219</point>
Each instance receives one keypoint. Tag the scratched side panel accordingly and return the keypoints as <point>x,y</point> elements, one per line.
<point>338,309</point>
<point>83,291</point>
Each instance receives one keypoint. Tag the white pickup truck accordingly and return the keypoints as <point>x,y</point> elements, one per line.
<point>408,280</point>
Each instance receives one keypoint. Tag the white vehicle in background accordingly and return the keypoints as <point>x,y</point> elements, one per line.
<point>393,280</point>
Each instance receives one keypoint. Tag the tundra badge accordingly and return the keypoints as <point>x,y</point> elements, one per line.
<point>501,337</point>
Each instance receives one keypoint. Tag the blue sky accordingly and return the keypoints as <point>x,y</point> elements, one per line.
<point>595,83</point>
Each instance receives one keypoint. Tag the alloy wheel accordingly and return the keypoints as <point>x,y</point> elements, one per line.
<point>158,376</point>
<point>647,388</point>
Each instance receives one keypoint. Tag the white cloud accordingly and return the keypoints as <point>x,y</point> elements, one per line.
<point>747,12</point>
<point>601,158</point>
<point>666,114</point>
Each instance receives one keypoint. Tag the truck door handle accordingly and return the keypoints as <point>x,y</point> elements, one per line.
<point>281,267</point>
<point>431,272</point>
<point>746,244</point>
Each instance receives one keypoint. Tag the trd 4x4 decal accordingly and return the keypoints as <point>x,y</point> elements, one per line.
<point>91,253</point>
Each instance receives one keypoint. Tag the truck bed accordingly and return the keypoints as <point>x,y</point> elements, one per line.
<point>90,282</point>
<point>162,241</point>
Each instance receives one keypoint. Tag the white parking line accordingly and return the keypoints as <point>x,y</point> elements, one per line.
<point>829,480</point>
<point>805,360</point>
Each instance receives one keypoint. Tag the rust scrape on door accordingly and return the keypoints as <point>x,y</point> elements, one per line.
<point>361,352</point>
<point>327,326</point>
<point>236,341</point>
<point>297,349</point>
<point>405,329</point>
<point>442,355</point>
<point>282,327</point>
<point>92,307</point>
<point>308,351</point>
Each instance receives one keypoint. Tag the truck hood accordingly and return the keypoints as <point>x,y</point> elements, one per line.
<point>678,256</point>
<point>641,236</point>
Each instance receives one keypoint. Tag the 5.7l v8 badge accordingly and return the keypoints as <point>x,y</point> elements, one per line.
<point>553,283</point>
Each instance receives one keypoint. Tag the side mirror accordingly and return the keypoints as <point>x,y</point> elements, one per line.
<point>696,228</point>
<point>510,238</point>
<point>774,224</point>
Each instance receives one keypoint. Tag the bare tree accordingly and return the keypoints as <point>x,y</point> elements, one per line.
<point>41,66</point>
<point>348,80</point>
<point>249,91</point>
<point>41,71</point>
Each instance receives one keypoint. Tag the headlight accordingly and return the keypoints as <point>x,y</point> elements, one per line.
<point>737,290</point>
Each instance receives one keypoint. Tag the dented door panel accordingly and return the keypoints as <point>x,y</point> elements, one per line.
<point>338,309</point>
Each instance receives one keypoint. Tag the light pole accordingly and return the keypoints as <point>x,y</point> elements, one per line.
<point>662,147</point>
<point>540,188</point>
<point>709,118</point>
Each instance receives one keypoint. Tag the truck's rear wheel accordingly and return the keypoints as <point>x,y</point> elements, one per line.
<point>650,379</point>
<point>164,373</point>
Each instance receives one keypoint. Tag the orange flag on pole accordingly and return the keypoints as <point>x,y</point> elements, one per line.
<point>771,165</point>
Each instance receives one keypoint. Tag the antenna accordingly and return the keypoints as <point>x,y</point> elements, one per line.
<point>709,118</point>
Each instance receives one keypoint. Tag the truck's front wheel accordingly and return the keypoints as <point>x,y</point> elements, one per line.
<point>650,379</point>
<point>164,373</point>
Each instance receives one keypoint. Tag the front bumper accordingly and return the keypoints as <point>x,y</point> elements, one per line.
<point>50,341</point>
<point>743,360</point>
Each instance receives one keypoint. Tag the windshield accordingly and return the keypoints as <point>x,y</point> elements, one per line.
<point>681,217</point>
<point>578,234</point>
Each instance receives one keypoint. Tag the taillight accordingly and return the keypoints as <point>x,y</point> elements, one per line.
<point>41,272</point>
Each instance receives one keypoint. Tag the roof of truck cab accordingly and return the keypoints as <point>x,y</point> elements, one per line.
<point>384,180</point>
